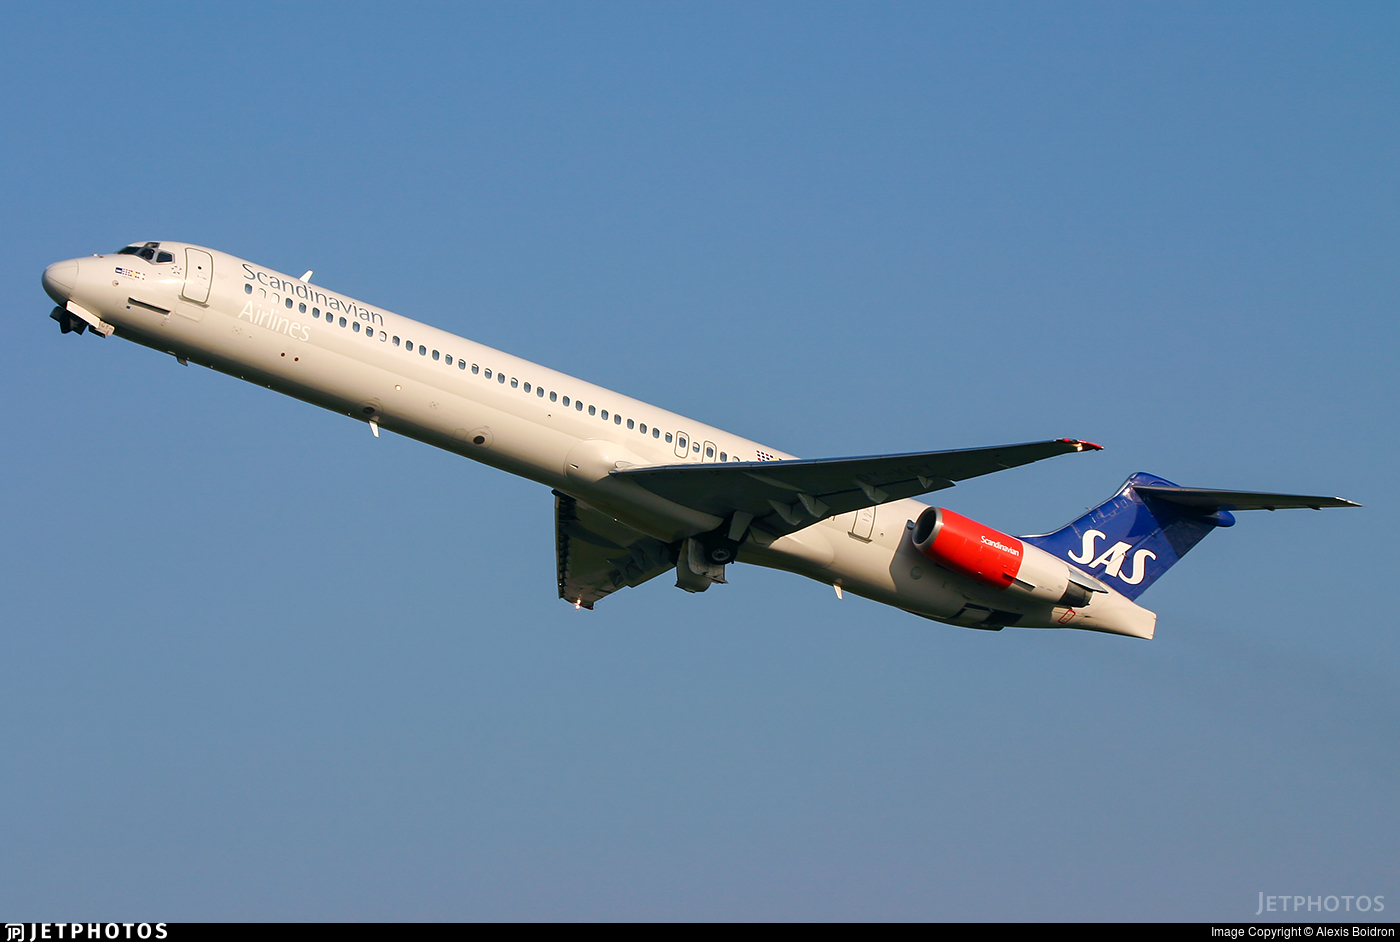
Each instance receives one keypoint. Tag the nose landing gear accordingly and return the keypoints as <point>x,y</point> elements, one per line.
<point>74,320</point>
<point>68,322</point>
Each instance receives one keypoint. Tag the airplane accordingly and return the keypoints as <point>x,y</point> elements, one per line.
<point>640,491</point>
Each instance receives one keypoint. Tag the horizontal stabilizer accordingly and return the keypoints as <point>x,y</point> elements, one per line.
<point>1208,500</point>
<point>1139,533</point>
<point>783,496</point>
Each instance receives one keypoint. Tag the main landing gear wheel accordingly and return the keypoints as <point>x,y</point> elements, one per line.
<point>721,551</point>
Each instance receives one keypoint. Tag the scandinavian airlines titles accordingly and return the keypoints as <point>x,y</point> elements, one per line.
<point>1002,546</point>
<point>310,293</point>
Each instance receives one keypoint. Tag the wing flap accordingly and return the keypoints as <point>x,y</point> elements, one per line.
<point>596,555</point>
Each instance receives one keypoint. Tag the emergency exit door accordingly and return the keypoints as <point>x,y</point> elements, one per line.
<point>199,275</point>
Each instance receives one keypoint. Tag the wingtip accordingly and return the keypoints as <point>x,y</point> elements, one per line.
<point>1080,445</point>
<point>1333,503</point>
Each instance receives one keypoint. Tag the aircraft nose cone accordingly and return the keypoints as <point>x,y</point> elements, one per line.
<point>59,279</point>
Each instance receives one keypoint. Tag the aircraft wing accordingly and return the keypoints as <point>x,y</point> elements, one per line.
<point>597,555</point>
<point>783,496</point>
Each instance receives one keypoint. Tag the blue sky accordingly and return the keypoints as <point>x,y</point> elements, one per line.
<point>260,665</point>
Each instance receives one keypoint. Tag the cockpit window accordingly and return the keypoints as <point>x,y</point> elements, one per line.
<point>167,257</point>
<point>146,250</point>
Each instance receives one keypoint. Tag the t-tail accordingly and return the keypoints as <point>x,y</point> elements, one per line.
<point>1136,535</point>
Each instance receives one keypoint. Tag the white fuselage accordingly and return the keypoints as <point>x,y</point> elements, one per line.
<point>416,380</point>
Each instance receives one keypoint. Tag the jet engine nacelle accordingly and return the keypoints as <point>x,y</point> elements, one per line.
<point>1000,561</point>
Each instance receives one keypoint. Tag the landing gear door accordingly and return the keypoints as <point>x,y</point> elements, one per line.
<point>199,274</point>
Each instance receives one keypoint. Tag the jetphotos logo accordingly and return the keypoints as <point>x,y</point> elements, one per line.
<point>1320,904</point>
<point>1113,558</point>
<point>35,931</point>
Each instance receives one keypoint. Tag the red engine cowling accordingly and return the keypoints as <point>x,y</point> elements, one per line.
<point>995,559</point>
<point>969,547</point>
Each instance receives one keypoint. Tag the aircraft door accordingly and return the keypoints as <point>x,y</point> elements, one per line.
<point>199,275</point>
<point>682,445</point>
<point>709,452</point>
<point>864,524</point>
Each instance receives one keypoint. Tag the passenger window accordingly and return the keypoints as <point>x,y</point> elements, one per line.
<point>539,391</point>
<point>696,448</point>
<point>316,313</point>
<point>527,387</point>
<point>396,340</point>
<point>247,289</point>
<point>642,428</point>
<point>500,378</point>
<point>436,355</point>
<point>554,397</point>
<point>355,327</point>
<point>656,433</point>
<point>668,438</point>
<point>301,308</point>
<point>342,322</point>
<point>723,456</point>
<point>605,415</point>
<point>578,405</point>
<point>475,369</point>
<point>514,383</point>
<point>709,452</point>
<point>461,364</point>
<point>422,350</point>
<point>592,410</point>
<point>447,359</point>
<point>289,304</point>
<point>617,420</point>
<point>566,402</point>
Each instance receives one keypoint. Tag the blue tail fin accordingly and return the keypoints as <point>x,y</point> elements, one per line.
<point>1130,539</point>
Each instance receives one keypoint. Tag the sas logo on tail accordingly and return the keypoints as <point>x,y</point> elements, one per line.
<point>1112,559</point>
